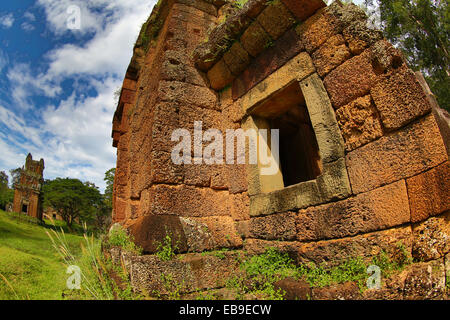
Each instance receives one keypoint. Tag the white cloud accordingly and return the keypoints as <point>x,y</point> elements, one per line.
<point>25,84</point>
<point>73,135</point>
<point>27,26</point>
<point>96,56</point>
<point>6,21</point>
<point>29,16</point>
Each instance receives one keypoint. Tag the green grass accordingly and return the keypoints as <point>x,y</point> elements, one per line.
<point>29,262</point>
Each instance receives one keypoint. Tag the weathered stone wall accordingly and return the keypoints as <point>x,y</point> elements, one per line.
<point>385,164</point>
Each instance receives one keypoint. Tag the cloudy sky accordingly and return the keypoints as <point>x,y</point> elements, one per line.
<point>57,82</point>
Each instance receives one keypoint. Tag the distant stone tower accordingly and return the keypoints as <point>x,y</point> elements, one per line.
<point>27,196</point>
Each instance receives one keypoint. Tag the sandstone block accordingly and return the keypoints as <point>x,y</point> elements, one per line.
<point>240,206</point>
<point>290,198</point>
<point>334,252</point>
<point>317,29</point>
<point>163,170</point>
<point>294,289</point>
<point>425,281</point>
<point>220,75</point>
<point>174,91</point>
<point>149,232</point>
<point>432,238</point>
<point>236,59</point>
<point>359,122</point>
<point>330,55</point>
<point>271,59</point>
<point>343,291</point>
<point>323,119</point>
<point>333,183</point>
<point>359,36</point>
<point>399,98</point>
<point>280,226</point>
<point>237,178</point>
<point>429,192</point>
<point>303,9</point>
<point>189,201</point>
<point>276,19</point>
<point>192,271</point>
<point>254,40</point>
<point>253,8</point>
<point>403,154</point>
<point>378,209</point>
<point>351,80</point>
<point>127,96</point>
<point>210,233</point>
<point>386,57</point>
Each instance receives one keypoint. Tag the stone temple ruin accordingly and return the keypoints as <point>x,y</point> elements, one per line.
<point>363,164</point>
<point>27,194</point>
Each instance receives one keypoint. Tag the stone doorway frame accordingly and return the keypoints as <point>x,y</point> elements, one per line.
<point>333,183</point>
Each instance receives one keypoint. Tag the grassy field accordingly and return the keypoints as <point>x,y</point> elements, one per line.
<point>29,262</point>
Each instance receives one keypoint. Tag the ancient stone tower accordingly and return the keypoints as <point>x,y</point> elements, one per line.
<point>362,163</point>
<point>27,195</point>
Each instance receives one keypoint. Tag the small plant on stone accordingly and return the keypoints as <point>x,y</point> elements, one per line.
<point>239,3</point>
<point>118,237</point>
<point>388,265</point>
<point>205,296</point>
<point>172,287</point>
<point>165,250</point>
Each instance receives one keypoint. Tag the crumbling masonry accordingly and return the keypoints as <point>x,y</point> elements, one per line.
<point>363,166</point>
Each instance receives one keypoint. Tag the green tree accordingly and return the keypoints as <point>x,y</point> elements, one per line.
<point>15,174</point>
<point>109,179</point>
<point>3,180</point>
<point>6,194</point>
<point>421,28</point>
<point>105,208</point>
<point>72,199</point>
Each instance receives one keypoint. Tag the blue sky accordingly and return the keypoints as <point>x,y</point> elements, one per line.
<point>57,84</point>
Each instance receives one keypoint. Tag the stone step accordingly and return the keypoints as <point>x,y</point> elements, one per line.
<point>185,273</point>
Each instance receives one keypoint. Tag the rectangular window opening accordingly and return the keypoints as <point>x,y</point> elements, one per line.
<point>299,152</point>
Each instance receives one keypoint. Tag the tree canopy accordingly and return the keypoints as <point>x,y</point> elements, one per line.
<point>72,199</point>
<point>6,194</point>
<point>421,28</point>
<point>109,179</point>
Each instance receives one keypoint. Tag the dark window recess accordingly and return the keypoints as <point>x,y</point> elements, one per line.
<point>24,208</point>
<point>299,152</point>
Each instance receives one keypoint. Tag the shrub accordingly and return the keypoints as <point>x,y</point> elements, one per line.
<point>118,237</point>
